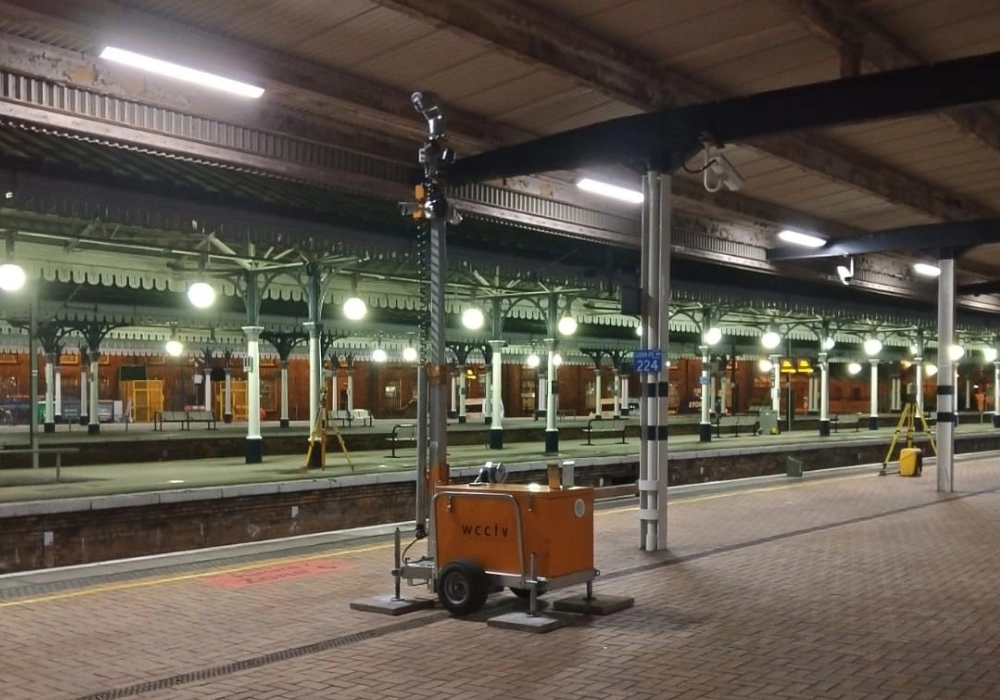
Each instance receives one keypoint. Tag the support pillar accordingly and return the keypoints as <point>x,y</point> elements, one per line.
<point>453,397</point>
<point>208,386</point>
<point>918,381</point>
<point>227,398</point>
<point>350,389</point>
<point>813,385</point>
<point>705,425</point>
<point>626,410</point>
<point>824,395</point>
<point>723,390</point>
<point>996,394</point>
<point>50,376</point>
<point>463,393</point>
<point>873,404</point>
<point>597,393</point>
<point>284,421</point>
<point>945,387</point>
<point>255,442</point>
<point>57,385</point>
<point>94,424</point>
<point>776,386</point>
<point>618,393</point>
<point>653,476</point>
<point>84,404</point>
<point>334,384</point>
<point>486,379</point>
<point>496,426</point>
<point>315,388</point>
<point>968,394</point>
<point>551,431</point>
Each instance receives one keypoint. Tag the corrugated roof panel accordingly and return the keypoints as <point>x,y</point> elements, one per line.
<point>509,97</point>
<point>940,29</point>
<point>364,37</point>
<point>470,83</point>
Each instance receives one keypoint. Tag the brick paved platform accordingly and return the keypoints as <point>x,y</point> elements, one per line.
<point>853,588</point>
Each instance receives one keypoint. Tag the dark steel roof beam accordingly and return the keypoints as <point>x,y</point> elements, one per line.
<point>539,38</point>
<point>850,32</point>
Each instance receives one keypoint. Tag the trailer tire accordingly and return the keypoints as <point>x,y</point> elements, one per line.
<point>462,587</point>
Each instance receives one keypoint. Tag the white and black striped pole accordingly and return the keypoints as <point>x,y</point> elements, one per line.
<point>945,387</point>
<point>653,476</point>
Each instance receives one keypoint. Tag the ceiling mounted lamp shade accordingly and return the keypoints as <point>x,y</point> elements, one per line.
<point>806,240</point>
<point>854,368</point>
<point>605,189</point>
<point>712,336</point>
<point>872,346</point>
<point>765,366</point>
<point>557,360</point>
<point>828,343</point>
<point>178,72</point>
<point>410,354</point>
<point>567,325</point>
<point>638,330</point>
<point>473,318</point>
<point>12,277</point>
<point>201,295</point>
<point>379,355</point>
<point>989,354</point>
<point>533,361</point>
<point>174,348</point>
<point>355,309</point>
<point>770,340</point>
<point>930,370</point>
<point>956,353</point>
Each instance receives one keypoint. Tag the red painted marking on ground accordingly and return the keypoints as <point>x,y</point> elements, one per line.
<point>276,574</point>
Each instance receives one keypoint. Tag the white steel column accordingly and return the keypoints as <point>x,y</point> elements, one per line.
<point>463,392</point>
<point>255,442</point>
<point>597,393</point>
<point>705,426</point>
<point>723,390</point>
<point>57,385</point>
<point>552,379</point>
<point>208,388</point>
<point>94,426</point>
<point>968,394</point>
<point>315,372</point>
<point>618,393</point>
<point>486,380</point>
<point>945,388</point>
<point>453,397</point>
<point>350,389</point>
<point>334,384</point>
<point>496,424</point>
<point>653,469</point>
<point>227,398</point>
<point>996,394</point>
<point>84,405</point>
<point>624,384</point>
<point>776,385</point>
<point>284,420</point>
<point>50,409</point>
<point>873,403</point>
<point>824,394</point>
<point>918,381</point>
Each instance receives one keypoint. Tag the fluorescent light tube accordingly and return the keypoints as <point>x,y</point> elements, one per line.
<point>927,270</point>
<point>802,239</point>
<point>607,190</point>
<point>172,70</point>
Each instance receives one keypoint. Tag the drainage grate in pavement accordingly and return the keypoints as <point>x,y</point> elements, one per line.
<point>264,660</point>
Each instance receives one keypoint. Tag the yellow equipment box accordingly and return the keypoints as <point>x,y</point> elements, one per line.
<point>481,522</point>
<point>911,461</point>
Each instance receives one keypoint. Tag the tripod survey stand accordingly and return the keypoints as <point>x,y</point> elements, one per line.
<point>906,423</point>
<point>316,455</point>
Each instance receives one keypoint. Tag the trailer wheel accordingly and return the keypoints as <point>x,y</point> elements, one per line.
<point>462,587</point>
<point>524,593</point>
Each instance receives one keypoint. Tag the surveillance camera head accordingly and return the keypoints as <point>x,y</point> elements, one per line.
<point>429,106</point>
<point>845,273</point>
<point>721,166</point>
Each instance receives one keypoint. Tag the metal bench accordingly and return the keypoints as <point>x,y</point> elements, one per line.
<point>404,433</point>
<point>206,417</point>
<point>57,451</point>
<point>846,420</point>
<point>343,416</point>
<point>727,422</point>
<point>162,417</point>
<point>605,425</point>
<point>363,415</point>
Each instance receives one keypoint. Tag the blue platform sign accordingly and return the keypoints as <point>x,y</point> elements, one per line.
<point>650,361</point>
